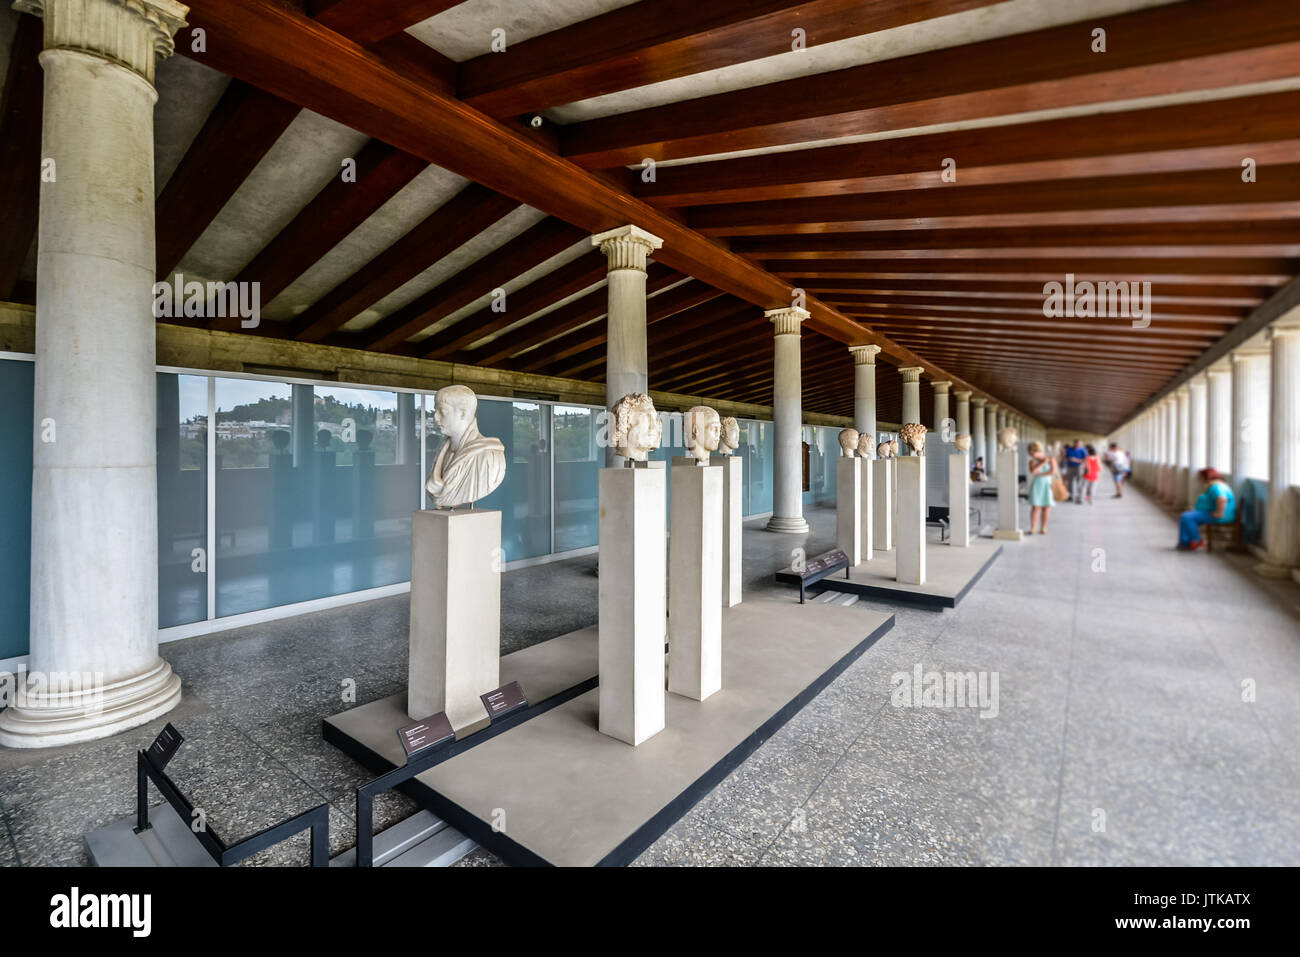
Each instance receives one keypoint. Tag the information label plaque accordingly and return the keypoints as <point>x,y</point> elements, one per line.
<point>505,700</point>
<point>165,746</point>
<point>433,730</point>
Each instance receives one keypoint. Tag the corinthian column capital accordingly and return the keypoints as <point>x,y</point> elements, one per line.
<point>134,33</point>
<point>787,320</point>
<point>864,355</point>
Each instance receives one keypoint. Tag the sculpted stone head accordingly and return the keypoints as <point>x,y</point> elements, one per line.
<point>730,435</point>
<point>962,442</point>
<point>849,442</point>
<point>636,427</point>
<point>884,450</point>
<point>866,444</point>
<point>913,433</point>
<point>702,430</point>
<point>1007,438</point>
<point>455,407</point>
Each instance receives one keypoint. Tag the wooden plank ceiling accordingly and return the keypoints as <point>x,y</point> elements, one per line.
<point>919,168</point>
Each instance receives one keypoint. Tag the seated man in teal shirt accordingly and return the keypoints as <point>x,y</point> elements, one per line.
<point>1215,506</point>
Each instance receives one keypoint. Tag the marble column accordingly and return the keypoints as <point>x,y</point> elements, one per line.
<point>941,416</point>
<point>963,412</point>
<point>1218,427</point>
<point>1282,531</point>
<point>787,420</point>
<point>1182,444</point>
<point>911,399</point>
<point>94,597</point>
<point>1197,450</point>
<point>1250,413</point>
<point>991,440</point>
<point>864,387</point>
<point>977,447</point>
<point>626,365</point>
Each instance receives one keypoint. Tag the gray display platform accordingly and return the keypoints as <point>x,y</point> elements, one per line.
<point>554,790</point>
<point>950,574</point>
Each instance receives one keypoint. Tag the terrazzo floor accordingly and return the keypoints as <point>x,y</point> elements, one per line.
<point>1122,732</point>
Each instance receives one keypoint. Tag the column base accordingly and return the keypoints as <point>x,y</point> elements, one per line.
<point>789,524</point>
<point>1271,570</point>
<point>1008,534</point>
<point>48,721</point>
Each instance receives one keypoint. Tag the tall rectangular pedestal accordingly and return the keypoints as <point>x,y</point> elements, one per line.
<point>694,582</point>
<point>632,602</point>
<point>910,563</point>
<point>883,503</point>
<point>848,508</point>
<point>455,641</point>
<point>959,499</point>
<point>1008,493</point>
<point>733,477</point>
<point>866,510</point>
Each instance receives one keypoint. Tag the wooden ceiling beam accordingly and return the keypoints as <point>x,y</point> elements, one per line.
<point>1239,292</point>
<point>529,249</point>
<point>20,151</point>
<point>657,40</point>
<point>1213,135</point>
<point>1092,269</point>
<point>1159,330</point>
<point>368,22</point>
<point>239,131</point>
<point>939,308</point>
<point>1168,49</point>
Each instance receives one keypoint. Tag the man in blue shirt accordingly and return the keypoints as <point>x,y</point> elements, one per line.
<point>1075,457</point>
<point>1215,506</point>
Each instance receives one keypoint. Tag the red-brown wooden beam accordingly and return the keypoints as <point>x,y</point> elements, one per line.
<point>443,231</point>
<point>1241,293</point>
<point>1208,135</point>
<point>1090,268</point>
<point>367,21</point>
<point>20,151</point>
<point>657,40</point>
<point>238,132</point>
<point>526,251</point>
<point>1174,48</point>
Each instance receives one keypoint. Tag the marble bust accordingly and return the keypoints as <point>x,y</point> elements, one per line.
<point>1007,438</point>
<point>637,427</point>
<point>883,450</point>
<point>913,433</point>
<point>962,441</point>
<point>730,440</point>
<point>849,442</point>
<point>702,430</point>
<point>866,442</point>
<point>469,465</point>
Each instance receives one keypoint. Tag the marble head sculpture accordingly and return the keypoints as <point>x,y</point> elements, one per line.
<point>962,441</point>
<point>1007,438</point>
<point>913,433</point>
<point>866,444</point>
<point>730,440</point>
<point>702,430</point>
<point>469,465</point>
<point>893,448</point>
<point>885,450</point>
<point>848,442</point>
<point>637,427</point>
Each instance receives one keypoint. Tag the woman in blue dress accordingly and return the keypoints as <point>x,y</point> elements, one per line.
<point>1042,469</point>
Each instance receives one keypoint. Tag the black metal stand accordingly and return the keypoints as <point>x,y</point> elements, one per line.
<point>316,818</point>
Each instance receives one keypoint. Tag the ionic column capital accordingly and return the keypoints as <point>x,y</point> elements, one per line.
<point>940,386</point>
<point>978,403</point>
<point>626,247</point>
<point>134,33</point>
<point>787,320</point>
<point>962,395</point>
<point>911,373</point>
<point>864,355</point>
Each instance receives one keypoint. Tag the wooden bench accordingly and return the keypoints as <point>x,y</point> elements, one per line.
<point>1225,536</point>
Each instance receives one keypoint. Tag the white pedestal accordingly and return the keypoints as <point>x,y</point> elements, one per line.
<point>883,503</point>
<point>910,560</point>
<point>733,477</point>
<point>695,581</point>
<point>455,615</point>
<point>959,499</point>
<point>866,509</point>
<point>848,508</point>
<point>1008,507</point>
<point>633,574</point>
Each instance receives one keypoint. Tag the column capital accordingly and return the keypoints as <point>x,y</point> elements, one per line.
<point>1222,367</point>
<point>941,386</point>
<point>626,247</point>
<point>787,320</point>
<point>992,406</point>
<point>911,373</point>
<point>864,355</point>
<point>963,395</point>
<point>134,33</point>
<point>978,403</point>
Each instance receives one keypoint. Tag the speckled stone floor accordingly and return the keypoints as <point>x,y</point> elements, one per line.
<point>1121,736</point>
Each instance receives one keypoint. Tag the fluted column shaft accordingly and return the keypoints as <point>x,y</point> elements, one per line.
<point>787,417</point>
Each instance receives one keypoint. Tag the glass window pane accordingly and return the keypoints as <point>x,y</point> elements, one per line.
<point>182,498</point>
<point>17,385</point>
<point>756,447</point>
<point>577,464</point>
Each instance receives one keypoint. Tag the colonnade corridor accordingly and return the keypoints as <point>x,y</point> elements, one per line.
<point>1119,730</point>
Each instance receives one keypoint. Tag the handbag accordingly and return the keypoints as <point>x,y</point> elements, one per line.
<point>1059,492</point>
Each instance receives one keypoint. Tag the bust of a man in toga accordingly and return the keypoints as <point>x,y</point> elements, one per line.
<point>469,465</point>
